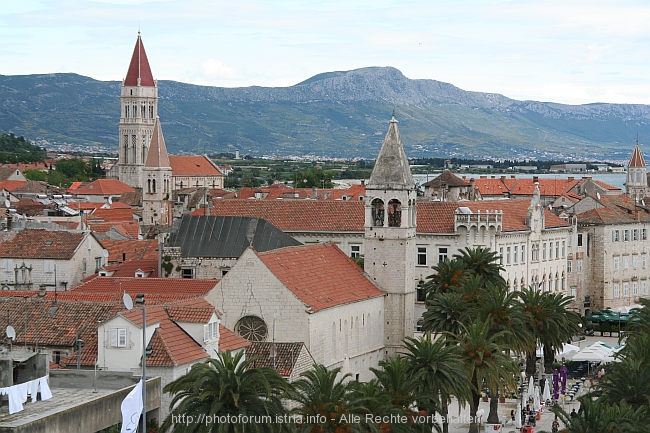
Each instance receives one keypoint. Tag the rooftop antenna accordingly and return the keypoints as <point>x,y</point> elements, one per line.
<point>11,334</point>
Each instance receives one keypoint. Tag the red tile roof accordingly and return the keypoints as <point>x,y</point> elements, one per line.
<point>321,275</point>
<point>228,340</point>
<point>36,322</point>
<point>637,158</point>
<point>12,185</point>
<point>619,209</point>
<point>547,187</point>
<point>40,244</point>
<point>438,217</point>
<point>123,250</point>
<point>280,356</point>
<point>165,288</point>
<point>196,310</point>
<point>193,166</point>
<point>128,229</point>
<point>139,67</point>
<point>104,187</point>
<point>172,346</point>
<point>297,215</point>
<point>342,216</point>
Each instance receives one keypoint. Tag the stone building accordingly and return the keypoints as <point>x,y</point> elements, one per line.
<point>48,259</point>
<point>309,293</point>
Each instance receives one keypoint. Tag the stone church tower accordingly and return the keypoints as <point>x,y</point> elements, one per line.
<point>157,181</point>
<point>636,183</point>
<point>390,224</point>
<point>139,110</point>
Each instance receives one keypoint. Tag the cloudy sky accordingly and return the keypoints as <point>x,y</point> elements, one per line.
<point>567,51</point>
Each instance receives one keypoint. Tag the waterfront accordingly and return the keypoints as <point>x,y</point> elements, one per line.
<point>614,179</point>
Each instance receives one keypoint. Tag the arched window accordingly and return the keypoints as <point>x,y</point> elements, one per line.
<point>149,186</point>
<point>377,213</point>
<point>394,213</point>
<point>153,185</point>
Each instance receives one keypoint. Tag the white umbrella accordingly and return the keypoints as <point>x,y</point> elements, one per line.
<point>531,388</point>
<point>546,394</point>
<point>536,402</point>
<point>518,416</point>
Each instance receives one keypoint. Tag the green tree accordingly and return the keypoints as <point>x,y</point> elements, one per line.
<point>324,402</point>
<point>226,386</point>
<point>438,374</point>
<point>36,175</point>
<point>550,323</point>
<point>74,169</point>
<point>599,416</point>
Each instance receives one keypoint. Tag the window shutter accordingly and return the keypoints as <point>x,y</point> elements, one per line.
<point>114,337</point>
<point>206,332</point>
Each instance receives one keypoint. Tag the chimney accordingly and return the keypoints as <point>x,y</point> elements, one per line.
<point>570,179</point>
<point>535,179</point>
<point>363,182</point>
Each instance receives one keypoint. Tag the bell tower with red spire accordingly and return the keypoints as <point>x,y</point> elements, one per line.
<point>139,110</point>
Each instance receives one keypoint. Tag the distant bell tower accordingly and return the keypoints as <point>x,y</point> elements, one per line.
<point>157,179</point>
<point>390,224</point>
<point>139,110</point>
<point>636,182</point>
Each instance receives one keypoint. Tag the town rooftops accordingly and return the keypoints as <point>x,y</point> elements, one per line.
<point>277,355</point>
<point>103,187</point>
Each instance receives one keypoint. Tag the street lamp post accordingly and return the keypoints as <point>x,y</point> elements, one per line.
<point>128,303</point>
<point>139,299</point>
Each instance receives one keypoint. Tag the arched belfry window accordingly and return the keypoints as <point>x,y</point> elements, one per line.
<point>149,186</point>
<point>377,212</point>
<point>394,213</point>
<point>153,185</point>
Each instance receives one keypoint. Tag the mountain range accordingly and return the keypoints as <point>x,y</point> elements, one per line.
<point>336,114</point>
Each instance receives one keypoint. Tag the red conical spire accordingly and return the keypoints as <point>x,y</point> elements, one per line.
<point>139,73</point>
<point>637,158</point>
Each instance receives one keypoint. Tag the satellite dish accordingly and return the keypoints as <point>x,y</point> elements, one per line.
<point>11,332</point>
<point>105,253</point>
<point>128,302</point>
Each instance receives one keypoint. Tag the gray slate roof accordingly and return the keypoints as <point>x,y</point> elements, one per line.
<point>226,236</point>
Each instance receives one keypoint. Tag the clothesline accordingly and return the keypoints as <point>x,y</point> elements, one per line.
<point>18,393</point>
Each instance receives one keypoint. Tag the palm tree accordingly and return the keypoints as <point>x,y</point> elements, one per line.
<point>439,374</point>
<point>325,403</point>
<point>549,322</point>
<point>484,262</point>
<point>599,416</point>
<point>482,354</point>
<point>226,387</point>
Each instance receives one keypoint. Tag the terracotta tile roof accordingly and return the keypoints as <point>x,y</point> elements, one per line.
<point>139,67</point>
<point>446,178</point>
<point>127,229</point>
<point>280,356</point>
<point>193,166</point>
<point>36,322</point>
<point>228,340</point>
<point>133,199</point>
<point>297,215</point>
<point>196,310</point>
<point>29,207</point>
<point>222,193</point>
<point>321,275</point>
<point>606,185</point>
<point>35,187</point>
<point>490,186</point>
<point>123,250</point>
<point>547,187</point>
<point>438,217</point>
<point>172,346</point>
<point>12,185</point>
<point>326,215</point>
<point>282,191</point>
<point>104,187</point>
<point>167,288</point>
<point>40,244</point>
<point>619,209</point>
